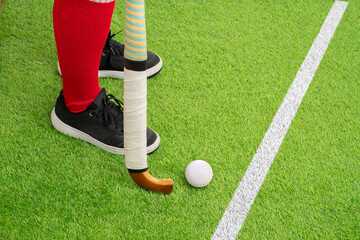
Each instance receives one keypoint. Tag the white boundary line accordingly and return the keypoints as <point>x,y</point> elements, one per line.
<point>239,207</point>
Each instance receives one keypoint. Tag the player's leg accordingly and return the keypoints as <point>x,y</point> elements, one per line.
<point>83,110</point>
<point>80,28</point>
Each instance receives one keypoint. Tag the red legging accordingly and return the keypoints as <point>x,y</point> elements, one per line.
<point>81,28</point>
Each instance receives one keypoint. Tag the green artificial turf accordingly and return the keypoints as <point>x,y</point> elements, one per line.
<point>227,67</point>
<point>313,188</point>
<point>0,6</point>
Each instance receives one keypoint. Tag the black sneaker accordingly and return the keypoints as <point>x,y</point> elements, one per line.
<point>100,124</point>
<point>112,60</point>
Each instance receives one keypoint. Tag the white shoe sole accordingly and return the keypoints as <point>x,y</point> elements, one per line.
<point>117,74</point>
<point>73,132</point>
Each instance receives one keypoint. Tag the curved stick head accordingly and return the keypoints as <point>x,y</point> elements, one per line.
<point>148,182</point>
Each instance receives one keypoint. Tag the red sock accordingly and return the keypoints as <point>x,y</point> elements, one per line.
<point>81,28</point>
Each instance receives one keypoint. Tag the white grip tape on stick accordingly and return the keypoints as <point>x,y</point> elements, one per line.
<point>135,91</point>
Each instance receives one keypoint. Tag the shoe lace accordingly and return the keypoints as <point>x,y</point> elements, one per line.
<point>115,47</point>
<point>111,111</point>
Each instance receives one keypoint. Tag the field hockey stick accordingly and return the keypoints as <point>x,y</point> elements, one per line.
<point>135,91</point>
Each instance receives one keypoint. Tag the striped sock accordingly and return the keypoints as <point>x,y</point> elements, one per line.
<point>81,28</point>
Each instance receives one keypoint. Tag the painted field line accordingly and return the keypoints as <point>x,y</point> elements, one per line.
<point>239,207</point>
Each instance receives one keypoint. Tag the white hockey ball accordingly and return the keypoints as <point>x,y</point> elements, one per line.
<point>198,173</point>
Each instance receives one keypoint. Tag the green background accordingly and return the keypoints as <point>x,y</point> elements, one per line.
<point>227,67</point>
